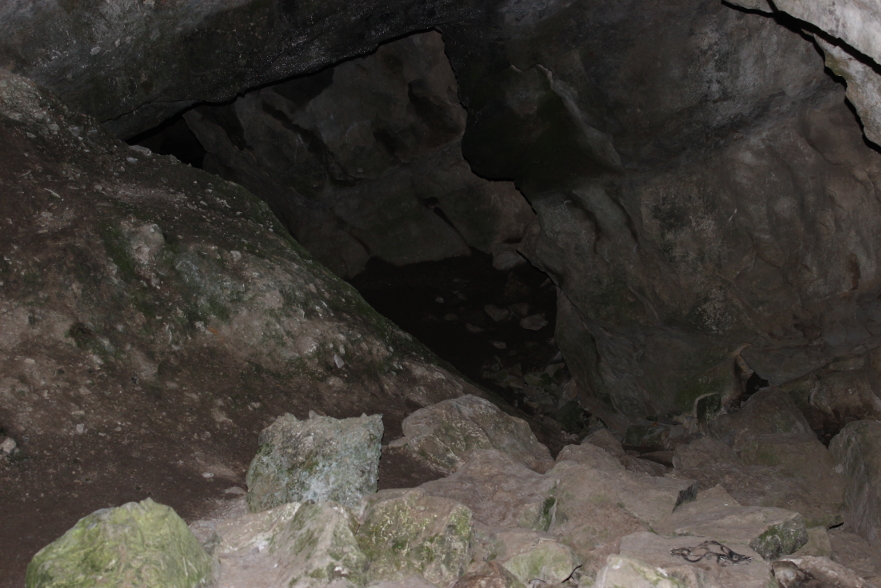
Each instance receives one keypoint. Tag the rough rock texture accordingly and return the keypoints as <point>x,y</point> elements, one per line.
<point>628,572</point>
<point>136,62</point>
<point>445,434</point>
<point>846,30</point>
<point>794,472</point>
<point>321,459</point>
<point>692,191</point>
<point>153,319</point>
<point>410,531</point>
<point>654,549</point>
<point>795,572</point>
<point>857,449</point>
<point>137,544</point>
<point>771,532</point>
<point>365,160</point>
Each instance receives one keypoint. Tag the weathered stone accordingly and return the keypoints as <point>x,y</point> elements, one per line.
<point>445,434</point>
<point>500,491</point>
<point>796,572</point>
<point>627,572</point>
<point>534,322</point>
<point>857,450</point>
<point>364,160</point>
<point>405,532</point>
<point>320,459</point>
<point>769,531</point>
<point>181,54</point>
<point>854,552</point>
<point>411,582</point>
<point>591,456</point>
<point>655,550</point>
<point>138,544</point>
<point>531,557</point>
<point>768,411</point>
<point>606,440</point>
<point>489,574</point>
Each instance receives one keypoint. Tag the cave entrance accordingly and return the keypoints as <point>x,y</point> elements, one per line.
<point>362,162</point>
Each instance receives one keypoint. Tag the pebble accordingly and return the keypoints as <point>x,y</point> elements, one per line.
<point>8,445</point>
<point>521,309</point>
<point>495,313</point>
<point>472,328</point>
<point>451,317</point>
<point>80,428</point>
<point>499,345</point>
<point>534,322</point>
<point>338,361</point>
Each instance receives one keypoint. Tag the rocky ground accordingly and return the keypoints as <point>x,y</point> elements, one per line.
<point>153,319</point>
<point>768,506</point>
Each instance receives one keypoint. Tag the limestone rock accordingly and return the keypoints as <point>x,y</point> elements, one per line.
<point>446,433</point>
<point>138,544</point>
<point>655,550</point>
<point>596,507</point>
<point>405,532</point>
<point>591,456</point>
<point>771,532</point>
<point>768,411</point>
<point>500,491</point>
<point>531,556</point>
<point>364,160</point>
<point>857,450</point>
<point>627,572</point>
<point>319,459</point>
<point>810,571</point>
<point>298,545</point>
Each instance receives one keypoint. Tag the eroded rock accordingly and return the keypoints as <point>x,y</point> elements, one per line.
<point>857,450</point>
<point>137,544</point>
<point>321,459</point>
<point>410,531</point>
<point>446,433</point>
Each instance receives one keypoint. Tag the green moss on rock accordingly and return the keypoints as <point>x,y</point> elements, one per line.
<point>137,545</point>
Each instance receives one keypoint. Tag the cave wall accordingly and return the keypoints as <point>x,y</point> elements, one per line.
<point>704,196</point>
<point>365,159</point>
<point>700,196</point>
<point>134,63</point>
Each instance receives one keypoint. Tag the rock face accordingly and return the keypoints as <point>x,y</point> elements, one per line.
<point>365,160</point>
<point>137,544</point>
<point>134,63</point>
<point>322,459</point>
<point>857,449</point>
<point>679,182</point>
<point>154,315</point>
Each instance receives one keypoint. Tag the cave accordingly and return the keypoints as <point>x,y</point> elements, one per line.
<point>542,252</point>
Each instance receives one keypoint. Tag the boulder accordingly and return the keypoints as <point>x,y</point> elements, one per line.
<point>771,532</point>
<point>857,451</point>
<point>138,544</point>
<point>446,433</point>
<point>489,574</point>
<point>768,411</point>
<point>406,532</point>
<point>590,456</point>
<point>532,556</point>
<point>319,459</point>
<point>627,572</point>
<point>500,491</point>
<point>796,572</point>
<point>706,572</point>
<point>307,545</point>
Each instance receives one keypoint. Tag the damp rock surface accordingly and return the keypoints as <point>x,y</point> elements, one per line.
<point>321,459</point>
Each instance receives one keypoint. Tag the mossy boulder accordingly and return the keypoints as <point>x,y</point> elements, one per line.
<point>139,544</point>
<point>406,532</point>
<point>319,459</point>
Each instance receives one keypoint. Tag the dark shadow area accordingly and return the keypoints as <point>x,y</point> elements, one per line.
<point>172,137</point>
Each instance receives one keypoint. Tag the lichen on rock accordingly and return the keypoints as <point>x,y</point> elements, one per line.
<point>142,545</point>
<point>320,459</point>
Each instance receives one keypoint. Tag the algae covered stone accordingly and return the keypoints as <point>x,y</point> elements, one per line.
<point>407,532</point>
<point>320,459</point>
<point>139,544</point>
